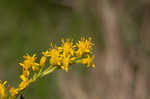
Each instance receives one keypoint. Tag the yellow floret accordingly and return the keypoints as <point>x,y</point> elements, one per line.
<point>42,60</point>
<point>13,92</point>
<point>84,47</point>
<point>29,61</point>
<point>46,53</point>
<point>23,84</point>
<point>67,47</point>
<point>66,61</point>
<point>3,91</point>
<point>88,61</point>
<point>55,58</point>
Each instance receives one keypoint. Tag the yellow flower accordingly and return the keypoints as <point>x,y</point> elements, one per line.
<point>44,57</point>
<point>62,56</point>
<point>23,77</point>
<point>55,58</point>
<point>26,72</point>
<point>43,60</point>
<point>84,47</point>
<point>35,67</point>
<point>13,92</point>
<point>3,91</point>
<point>46,53</point>
<point>23,84</point>
<point>66,61</point>
<point>29,61</point>
<point>88,61</point>
<point>67,47</point>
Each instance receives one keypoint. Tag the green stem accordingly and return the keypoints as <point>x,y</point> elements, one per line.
<point>48,71</point>
<point>41,73</point>
<point>36,76</point>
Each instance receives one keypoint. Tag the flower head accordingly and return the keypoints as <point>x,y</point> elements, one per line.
<point>67,47</point>
<point>29,61</point>
<point>42,60</point>
<point>23,77</point>
<point>44,57</point>
<point>84,47</point>
<point>13,92</point>
<point>23,84</point>
<point>46,53</point>
<point>26,72</point>
<point>88,61</point>
<point>66,61</point>
<point>3,90</point>
<point>55,58</point>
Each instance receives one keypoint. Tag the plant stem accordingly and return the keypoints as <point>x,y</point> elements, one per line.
<point>48,71</point>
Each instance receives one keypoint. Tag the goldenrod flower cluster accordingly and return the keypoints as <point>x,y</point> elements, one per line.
<point>57,57</point>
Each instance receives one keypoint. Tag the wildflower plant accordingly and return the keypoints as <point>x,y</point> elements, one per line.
<point>54,59</point>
